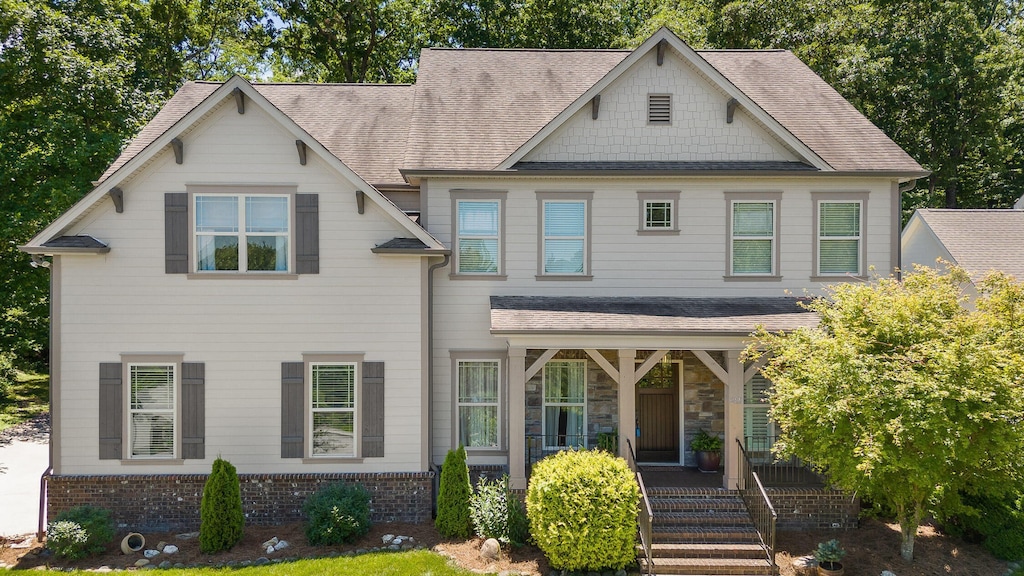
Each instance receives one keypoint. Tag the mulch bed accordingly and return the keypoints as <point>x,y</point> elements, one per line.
<point>872,548</point>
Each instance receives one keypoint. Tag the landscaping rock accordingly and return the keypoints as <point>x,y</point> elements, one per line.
<point>281,545</point>
<point>805,566</point>
<point>888,573</point>
<point>151,553</point>
<point>187,536</point>
<point>161,545</point>
<point>179,565</point>
<point>394,547</point>
<point>170,549</point>
<point>141,562</point>
<point>387,538</point>
<point>261,561</point>
<point>165,564</point>
<point>270,543</point>
<point>270,549</point>
<point>490,549</point>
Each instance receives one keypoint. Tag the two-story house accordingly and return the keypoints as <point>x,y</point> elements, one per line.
<point>524,251</point>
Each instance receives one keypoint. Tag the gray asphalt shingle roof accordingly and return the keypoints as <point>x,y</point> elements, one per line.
<point>472,108</point>
<point>528,314</point>
<point>981,240</point>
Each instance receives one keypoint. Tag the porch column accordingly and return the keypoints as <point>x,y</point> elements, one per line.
<point>627,400</point>
<point>733,418</point>
<point>517,418</point>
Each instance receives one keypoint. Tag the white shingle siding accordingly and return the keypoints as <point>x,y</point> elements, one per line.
<point>242,329</point>
<point>698,131</point>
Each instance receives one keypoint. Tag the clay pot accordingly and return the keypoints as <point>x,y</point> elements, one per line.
<point>709,461</point>
<point>132,543</point>
<point>830,569</point>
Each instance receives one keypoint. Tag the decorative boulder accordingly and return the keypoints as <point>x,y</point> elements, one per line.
<point>490,550</point>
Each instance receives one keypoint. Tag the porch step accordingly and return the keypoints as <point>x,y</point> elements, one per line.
<point>700,518</point>
<point>708,566</point>
<point>705,535</point>
<point>750,551</point>
<point>690,504</point>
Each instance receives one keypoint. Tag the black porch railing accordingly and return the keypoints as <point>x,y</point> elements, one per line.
<point>645,516</point>
<point>759,506</point>
<point>775,471</point>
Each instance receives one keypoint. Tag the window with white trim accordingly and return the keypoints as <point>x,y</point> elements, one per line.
<point>238,233</point>
<point>478,403</point>
<point>565,237</point>
<point>565,404</point>
<point>839,238</point>
<point>753,238</point>
<point>333,407</point>
<point>478,240</point>
<point>151,410</point>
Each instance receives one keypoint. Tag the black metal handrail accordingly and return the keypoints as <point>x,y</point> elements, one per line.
<point>645,515</point>
<point>775,470</point>
<point>759,506</point>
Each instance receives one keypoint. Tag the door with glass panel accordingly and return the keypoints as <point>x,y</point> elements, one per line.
<point>657,414</point>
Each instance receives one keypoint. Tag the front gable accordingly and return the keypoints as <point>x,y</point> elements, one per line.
<point>702,126</point>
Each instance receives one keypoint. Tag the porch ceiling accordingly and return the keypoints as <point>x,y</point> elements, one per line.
<point>645,316</point>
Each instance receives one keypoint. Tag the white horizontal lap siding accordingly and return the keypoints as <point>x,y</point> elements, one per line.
<point>698,129</point>
<point>241,329</point>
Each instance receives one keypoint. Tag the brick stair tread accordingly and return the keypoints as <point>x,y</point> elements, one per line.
<point>701,502</point>
<point>695,547</point>
<point>744,562</point>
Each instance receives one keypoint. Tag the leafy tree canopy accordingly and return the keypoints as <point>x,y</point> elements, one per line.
<point>908,393</point>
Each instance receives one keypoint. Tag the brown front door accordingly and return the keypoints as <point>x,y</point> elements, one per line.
<point>657,414</point>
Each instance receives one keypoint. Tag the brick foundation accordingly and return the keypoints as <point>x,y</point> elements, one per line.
<point>814,508</point>
<point>170,502</point>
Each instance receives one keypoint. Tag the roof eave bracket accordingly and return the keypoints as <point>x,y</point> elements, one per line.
<point>595,106</point>
<point>661,51</point>
<point>360,201</point>
<point>301,147</point>
<point>730,109</point>
<point>179,150</point>
<point>117,195</point>
<point>239,100</point>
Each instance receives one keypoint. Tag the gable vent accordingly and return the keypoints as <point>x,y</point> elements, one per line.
<point>659,108</point>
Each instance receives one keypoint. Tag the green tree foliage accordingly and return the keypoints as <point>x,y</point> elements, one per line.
<point>498,513</point>
<point>453,520</point>
<point>904,394</point>
<point>221,519</point>
<point>582,510</point>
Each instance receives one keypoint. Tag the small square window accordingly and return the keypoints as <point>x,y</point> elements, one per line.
<point>658,215</point>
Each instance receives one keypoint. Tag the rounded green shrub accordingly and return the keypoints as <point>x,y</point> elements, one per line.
<point>337,514</point>
<point>582,508</point>
<point>453,519</point>
<point>80,532</point>
<point>8,375</point>
<point>497,513</point>
<point>221,519</point>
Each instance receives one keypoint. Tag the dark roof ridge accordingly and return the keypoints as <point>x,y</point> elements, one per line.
<point>565,50</point>
<point>218,83</point>
<point>756,50</point>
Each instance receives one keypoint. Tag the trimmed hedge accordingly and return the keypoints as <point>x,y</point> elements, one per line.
<point>222,521</point>
<point>453,520</point>
<point>582,508</point>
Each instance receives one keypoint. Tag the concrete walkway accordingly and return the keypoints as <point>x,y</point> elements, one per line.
<point>24,454</point>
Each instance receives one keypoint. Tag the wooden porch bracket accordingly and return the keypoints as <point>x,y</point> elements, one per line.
<point>540,362</point>
<point>648,364</point>
<point>751,370</point>
<point>603,363</point>
<point>721,373</point>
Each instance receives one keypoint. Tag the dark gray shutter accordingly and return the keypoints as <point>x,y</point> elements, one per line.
<point>176,233</point>
<point>193,410</point>
<point>293,407</point>
<point>307,234</point>
<point>372,413</point>
<point>111,410</point>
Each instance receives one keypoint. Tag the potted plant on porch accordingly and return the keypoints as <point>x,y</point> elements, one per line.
<point>828,556</point>
<point>708,449</point>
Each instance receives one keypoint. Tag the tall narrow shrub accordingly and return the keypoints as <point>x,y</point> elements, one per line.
<point>453,519</point>
<point>222,519</point>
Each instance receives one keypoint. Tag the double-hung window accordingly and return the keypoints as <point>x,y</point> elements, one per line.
<point>152,410</point>
<point>478,403</point>
<point>478,241</point>
<point>564,238</point>
<point>839,238</point>
<point>565,403</point>
<point>333,420</point>
<point>241,233</point>
<point>753,236</point>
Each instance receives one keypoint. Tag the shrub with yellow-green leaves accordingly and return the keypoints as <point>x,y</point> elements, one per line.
<point>582,508</point>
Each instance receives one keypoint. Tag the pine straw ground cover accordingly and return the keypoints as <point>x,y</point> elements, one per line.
<point>870,549</point>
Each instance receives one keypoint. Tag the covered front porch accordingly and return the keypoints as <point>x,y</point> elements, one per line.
<point>646,373</point>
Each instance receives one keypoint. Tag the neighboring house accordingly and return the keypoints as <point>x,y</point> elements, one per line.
<point>979,241</point>
<point>526,250</point>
